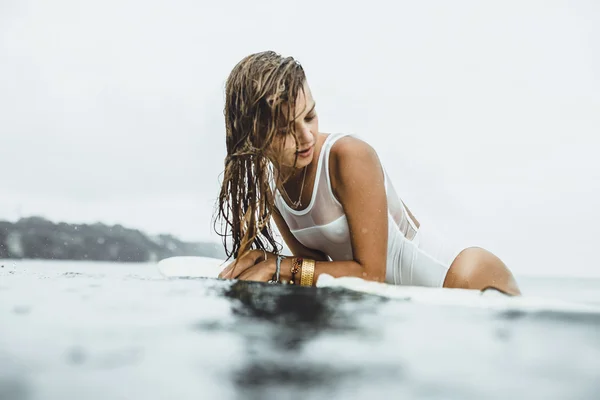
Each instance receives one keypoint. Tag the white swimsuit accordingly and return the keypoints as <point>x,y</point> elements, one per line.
<point>415,256</point>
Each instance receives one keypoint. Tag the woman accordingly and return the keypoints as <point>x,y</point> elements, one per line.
<point>328,194</point>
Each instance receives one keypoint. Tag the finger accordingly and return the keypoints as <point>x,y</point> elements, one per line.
<point>248,261</point>
<point>241,264</point>
<point>248,272</point>
<point>248,264</point>
<point>227,270</point>
<point>257,274</point>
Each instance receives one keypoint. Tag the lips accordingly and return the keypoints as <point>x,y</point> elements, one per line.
<point>304,151</point>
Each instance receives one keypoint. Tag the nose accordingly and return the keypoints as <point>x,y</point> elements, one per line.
<point>304,133</point>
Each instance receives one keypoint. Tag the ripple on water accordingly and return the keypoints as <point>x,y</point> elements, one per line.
<point>14,381</point>
<point>103,359</point>
<point>21,310</point>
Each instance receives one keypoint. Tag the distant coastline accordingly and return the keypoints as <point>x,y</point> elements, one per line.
<point>38,238</point>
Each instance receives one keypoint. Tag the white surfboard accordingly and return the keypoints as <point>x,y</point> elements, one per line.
<point>206,267</point>
<point>191,267</point>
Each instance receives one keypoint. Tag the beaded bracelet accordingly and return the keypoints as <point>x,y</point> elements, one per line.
<point>296,263</point>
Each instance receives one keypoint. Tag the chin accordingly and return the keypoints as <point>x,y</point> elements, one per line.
<point>304,163</point>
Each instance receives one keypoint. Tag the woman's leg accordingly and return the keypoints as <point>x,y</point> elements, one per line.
<point>477,268</point>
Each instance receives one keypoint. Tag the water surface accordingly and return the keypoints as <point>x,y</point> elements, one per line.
<point>72,330</point>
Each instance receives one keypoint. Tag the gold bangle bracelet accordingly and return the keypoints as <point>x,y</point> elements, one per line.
<point>308,272</point>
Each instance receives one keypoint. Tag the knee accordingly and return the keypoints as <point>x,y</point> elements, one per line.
<point>477,268</point>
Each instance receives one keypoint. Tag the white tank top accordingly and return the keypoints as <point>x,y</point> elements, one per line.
<point>322,225</point>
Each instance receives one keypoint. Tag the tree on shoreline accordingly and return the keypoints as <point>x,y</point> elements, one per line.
<point>38,238</point>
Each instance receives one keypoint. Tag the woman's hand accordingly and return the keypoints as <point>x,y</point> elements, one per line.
<point>261,272</point>
<point>252,266</point>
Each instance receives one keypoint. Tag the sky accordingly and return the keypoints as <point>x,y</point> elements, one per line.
<point>485,115</point>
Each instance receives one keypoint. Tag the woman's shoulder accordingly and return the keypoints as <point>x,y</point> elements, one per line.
<point>354,164</point>
<point>351,146</point>
<point>350,153</point>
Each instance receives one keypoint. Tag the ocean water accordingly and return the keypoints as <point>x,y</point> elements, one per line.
<point>83,330</point>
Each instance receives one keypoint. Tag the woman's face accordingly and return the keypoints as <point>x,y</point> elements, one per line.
<point>299,152</point>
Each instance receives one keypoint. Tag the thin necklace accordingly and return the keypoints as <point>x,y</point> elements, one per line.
<point>298,203</point>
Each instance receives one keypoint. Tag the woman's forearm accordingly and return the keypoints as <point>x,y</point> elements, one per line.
<point>312,254</point>
<point>334,268</point>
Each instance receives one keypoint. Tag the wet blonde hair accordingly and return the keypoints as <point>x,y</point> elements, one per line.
<point>260,102</point>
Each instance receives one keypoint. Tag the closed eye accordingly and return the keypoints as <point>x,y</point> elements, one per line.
<point>311,114</point>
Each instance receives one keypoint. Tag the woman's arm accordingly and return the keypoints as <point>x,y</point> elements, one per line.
<point>358,183</point>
